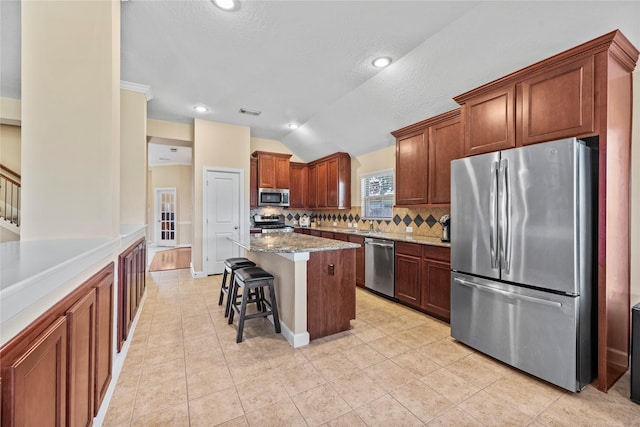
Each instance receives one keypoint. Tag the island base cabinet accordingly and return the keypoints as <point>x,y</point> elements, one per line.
<point>34,387</point>
<point>331,292</point>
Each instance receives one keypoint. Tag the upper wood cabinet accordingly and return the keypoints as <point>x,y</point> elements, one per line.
<point>330,182</point>
<point>557,103</point>
<point>489,121</point>
<point>273,169</point>
<point>423,159</point>
<point>299,188</point>
<point>412,160</point>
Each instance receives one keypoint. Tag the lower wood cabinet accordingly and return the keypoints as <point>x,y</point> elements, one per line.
<point>34,387</point>
<point>359,259</point>
<point>56,371</point>
<point>423,276</point>
<point>131,286</point>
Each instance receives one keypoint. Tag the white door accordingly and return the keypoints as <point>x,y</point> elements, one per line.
<point>222,218</point>
<point>165,216</point>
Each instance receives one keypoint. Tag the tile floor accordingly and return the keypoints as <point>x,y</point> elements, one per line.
<point>395,367</point>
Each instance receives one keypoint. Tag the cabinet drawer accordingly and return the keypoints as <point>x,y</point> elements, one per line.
<point>439,253</point>
<point>408,249</point>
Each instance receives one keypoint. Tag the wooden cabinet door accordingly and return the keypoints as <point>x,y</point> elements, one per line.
<point>281,172</point>
<point>34,387</point>
<point>104,332</point>
<point>332,182</point>
<point>327,234</point>
<point>408,279</point>
<point>253,183</point>
<point>299,185</point>
<point>266,171</point>
<point>341,236</point>
<point>558,103</point>
<point>411,169</point>
<point>436,291</point>
<point>489,121</point>
<point>313,186</point>
<point>316,233</point>
<point>81,327</point>
<point>446,143</point>
<point>360,259</point>
<point>322,185</point>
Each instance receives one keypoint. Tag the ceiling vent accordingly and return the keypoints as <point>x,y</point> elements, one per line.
<point>250,112</point>
<point>173,150</point>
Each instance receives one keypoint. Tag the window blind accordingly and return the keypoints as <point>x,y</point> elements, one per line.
<point>377,194</point>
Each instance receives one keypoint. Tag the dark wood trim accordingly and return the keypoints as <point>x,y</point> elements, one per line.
<point>615,42</point>
<point>418,127</point>
<point>11,180</point>
<point>270,153</point>
<point>11,171</point>
<point>330,156</point>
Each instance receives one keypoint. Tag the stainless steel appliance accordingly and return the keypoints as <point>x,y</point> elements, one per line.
<point>522,258</point>
<point>273,197</point>
<point>271,224</point>
<point>445,222</point>
<point>379,266</point>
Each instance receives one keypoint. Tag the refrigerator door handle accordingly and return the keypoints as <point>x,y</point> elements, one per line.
<point>505,217</point>
<point>493,213</point>
<point>508,294</point>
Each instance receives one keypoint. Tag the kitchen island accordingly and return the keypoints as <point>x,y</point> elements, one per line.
<point>314,280</point>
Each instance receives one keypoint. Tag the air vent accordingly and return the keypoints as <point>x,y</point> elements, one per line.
<point>173,150</point>
<point>250,112</point>
<point>164,158</point>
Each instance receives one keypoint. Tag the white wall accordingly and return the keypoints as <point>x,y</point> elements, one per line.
<point>273,146</point>
<point>70,120</point>
<point>635,192</point>
<point>133,157</point>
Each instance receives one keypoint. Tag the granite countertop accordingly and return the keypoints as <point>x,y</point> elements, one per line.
<point>292,243</point>
<point>398,237</point>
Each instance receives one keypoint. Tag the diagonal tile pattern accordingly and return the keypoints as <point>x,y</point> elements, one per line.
<point>394,367</point>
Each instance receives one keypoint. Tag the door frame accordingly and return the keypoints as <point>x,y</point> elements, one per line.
<point>244,214</point>
<point>156,215</point>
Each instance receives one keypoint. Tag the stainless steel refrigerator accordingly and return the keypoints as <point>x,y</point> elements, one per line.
<point>522,258</point>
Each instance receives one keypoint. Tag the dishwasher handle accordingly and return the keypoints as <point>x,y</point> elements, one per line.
<point>383,245</point>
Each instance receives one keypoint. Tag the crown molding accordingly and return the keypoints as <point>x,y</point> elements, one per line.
<point>137,87</point>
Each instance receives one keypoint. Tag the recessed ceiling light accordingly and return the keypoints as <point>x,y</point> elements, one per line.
<point>381,62</point>
<point>293,126</point>
<point>228,5</point>
<point>201,108</point>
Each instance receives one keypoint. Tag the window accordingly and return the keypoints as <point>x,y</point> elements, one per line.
<point>377,194</point>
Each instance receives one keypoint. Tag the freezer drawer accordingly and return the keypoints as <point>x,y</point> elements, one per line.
<point>534,331</point>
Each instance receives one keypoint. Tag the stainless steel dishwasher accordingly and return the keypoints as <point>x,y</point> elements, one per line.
<point>379,266</point>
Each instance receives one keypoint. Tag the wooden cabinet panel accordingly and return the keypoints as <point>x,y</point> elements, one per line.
<point>34,387</point>
<point>327,234</point>
<point>253,183</point>
<point>316,233</point>
<point>81,327</point>
<point>446,143</point>
<point>103,338</point>
<point>360,259</point>
<point>436,295</point>
<point>273,169</point>
<point>412,157</point>
<point>313,186</point>
<point>408,279</point>
<point>331,296</point>
<point>321,193</point>
<point>299,185</point>
<point>341,236</point>
<point>489,121</point>
<point>332,182</point>
<point>558,103</point>
<point>131,286</point>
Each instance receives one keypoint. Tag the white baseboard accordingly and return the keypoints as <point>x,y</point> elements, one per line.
<point>296,340</point>
<point>196,274</point>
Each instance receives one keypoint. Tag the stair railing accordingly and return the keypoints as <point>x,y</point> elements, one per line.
<point>10,188</point>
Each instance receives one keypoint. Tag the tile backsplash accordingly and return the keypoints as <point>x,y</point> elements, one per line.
<point>424,221</point>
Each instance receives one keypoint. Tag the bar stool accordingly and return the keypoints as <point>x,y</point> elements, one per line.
<point>252,281</point>
<point>230,266</point>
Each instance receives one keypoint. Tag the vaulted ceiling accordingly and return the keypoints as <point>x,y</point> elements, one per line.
<point>309,62</point>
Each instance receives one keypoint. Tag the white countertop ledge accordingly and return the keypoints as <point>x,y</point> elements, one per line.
<point>31,270</point>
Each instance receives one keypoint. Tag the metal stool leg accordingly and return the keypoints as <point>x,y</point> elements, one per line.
<point>274,306</point>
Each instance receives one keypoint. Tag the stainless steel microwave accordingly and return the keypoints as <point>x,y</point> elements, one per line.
<point>273,197</point>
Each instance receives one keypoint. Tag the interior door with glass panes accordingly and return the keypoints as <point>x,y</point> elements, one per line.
<point>165,234</point>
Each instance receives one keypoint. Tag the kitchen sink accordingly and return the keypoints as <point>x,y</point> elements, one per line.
<point>363,232</point>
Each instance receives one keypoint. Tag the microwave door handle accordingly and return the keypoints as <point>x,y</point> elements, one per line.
<point>505,217</point>
<point>493,212</point>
